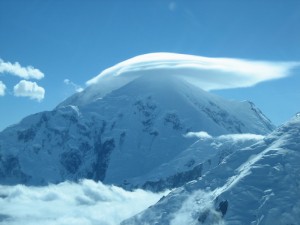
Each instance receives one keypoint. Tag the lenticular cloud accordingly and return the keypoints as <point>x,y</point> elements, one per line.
<point>85,203</point>
<point>206,73</point>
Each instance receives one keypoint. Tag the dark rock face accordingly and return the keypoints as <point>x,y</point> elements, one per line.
<point>223,206</point>
<point>11,169</point>
<point>173,119</point>
<point>103,152</point>
<point>147,110</point>
<point>26,135</point>
<point>175,180</point>
<point>71,161</point>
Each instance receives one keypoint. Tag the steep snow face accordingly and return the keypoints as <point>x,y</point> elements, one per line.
<point>126,134</point>
<point>254,185</point>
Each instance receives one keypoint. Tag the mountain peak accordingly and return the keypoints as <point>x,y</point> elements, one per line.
<point>135,115</point>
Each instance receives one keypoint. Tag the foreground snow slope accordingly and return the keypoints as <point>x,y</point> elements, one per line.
<point>206,153</point>
<point>254,185</point>
<point>120,133</point>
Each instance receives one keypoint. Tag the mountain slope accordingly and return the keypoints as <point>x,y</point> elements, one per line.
<point>254,185</point>
<point>123,134</point>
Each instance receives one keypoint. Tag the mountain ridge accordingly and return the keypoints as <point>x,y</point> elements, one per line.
<point>258,184</point>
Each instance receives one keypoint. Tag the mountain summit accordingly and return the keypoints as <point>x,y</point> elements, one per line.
<point>119,129</point>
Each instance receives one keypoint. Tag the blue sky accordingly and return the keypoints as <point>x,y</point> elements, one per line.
<point>76,40</point>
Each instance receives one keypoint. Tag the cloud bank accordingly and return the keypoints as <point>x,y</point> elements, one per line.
<point>85,203</point>
<point>2,88</point>
<point>28,72</point>
<point>204,72</point>
<point>29,89</point>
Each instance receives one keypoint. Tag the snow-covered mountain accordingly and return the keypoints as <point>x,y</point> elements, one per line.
<point>258,184</point>
<point>123,131</point>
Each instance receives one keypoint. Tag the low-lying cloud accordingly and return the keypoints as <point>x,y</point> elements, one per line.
<point>226,137</point>
<point>29,89</point>
<point>84,203</point>
<point>241,137</point>
<point>204,72</point>
<point>200,134</point>
<point>28,72</point>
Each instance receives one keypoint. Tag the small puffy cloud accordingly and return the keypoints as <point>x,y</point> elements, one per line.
<point>2,88</point>
<point>28,72</point>
<point>204,72</point>
<point>29,89</point>
<point>200,134</point>
<point>77,87</point>
<point>84,203</point>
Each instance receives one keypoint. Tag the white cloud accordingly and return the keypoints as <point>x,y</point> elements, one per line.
<point>200,134</point>
<point>77,87</point>
<point>241,137</point>
<point>85,203</point>
<point>226,137</point>
<point>29,89</point>
<point>2,88</point>
<point>206,73</point>
<point>16,69</point>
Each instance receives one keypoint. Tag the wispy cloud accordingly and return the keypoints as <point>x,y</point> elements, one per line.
<point>85,203</point>
<point>29,89</point>
<point>2,88</point>
<point>28,72</point>
<point>206,73</point>
<point>76,87</point>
